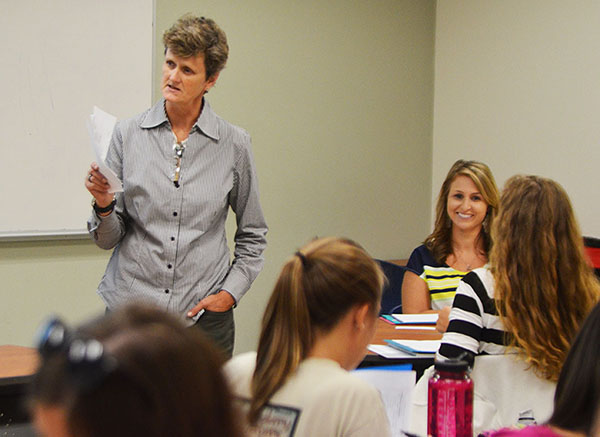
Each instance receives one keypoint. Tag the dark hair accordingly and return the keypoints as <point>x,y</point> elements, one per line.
<point>167,380</point>
<point>439,242</point>
<point>191,36</point>
<point>316,288</point>
<point>577,396</point>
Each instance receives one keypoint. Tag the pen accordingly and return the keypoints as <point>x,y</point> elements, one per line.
<point>197,316</point>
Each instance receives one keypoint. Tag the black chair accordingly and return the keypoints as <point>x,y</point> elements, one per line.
<point>592,249</point>
<point>391,300</point>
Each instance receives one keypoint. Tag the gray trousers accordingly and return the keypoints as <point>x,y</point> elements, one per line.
<point>220,328</point>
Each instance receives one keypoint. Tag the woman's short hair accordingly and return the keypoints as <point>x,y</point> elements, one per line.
<point>155,377</point>
<point>315,289</point>
<point>440,240</point>
<point>577,396</point>
<point>544,287</point>
<point>191,36</point>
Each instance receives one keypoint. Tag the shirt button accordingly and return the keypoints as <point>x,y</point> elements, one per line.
<point>174,213</point>
<point>167,291</point>
<point>169,266</point>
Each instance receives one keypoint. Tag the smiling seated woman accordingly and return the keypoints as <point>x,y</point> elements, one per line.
<point>460,241</point>
<point>537,289</point>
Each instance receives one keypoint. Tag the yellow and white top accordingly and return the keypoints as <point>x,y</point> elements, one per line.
<point>441,279</point>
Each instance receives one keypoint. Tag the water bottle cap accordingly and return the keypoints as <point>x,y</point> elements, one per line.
<point>455,365</point>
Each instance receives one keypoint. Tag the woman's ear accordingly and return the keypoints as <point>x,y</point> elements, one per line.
<point>211,81</point>
<point>361,314</point>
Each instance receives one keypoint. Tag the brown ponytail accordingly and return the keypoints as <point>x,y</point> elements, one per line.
<point>315,289</point>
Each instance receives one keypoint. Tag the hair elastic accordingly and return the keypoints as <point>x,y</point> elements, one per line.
<point>302,258</point>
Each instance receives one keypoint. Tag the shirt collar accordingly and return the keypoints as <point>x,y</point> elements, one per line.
<point>206,123</point>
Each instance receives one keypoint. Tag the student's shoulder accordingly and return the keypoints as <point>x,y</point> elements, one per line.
<point>480,280</point>
<point>421,257</point>
<point>341,383</point>
<point>240,367</point>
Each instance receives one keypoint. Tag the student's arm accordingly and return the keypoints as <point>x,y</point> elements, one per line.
<point>415,294</point>
<point>443,320</point>
<point>466,325</point>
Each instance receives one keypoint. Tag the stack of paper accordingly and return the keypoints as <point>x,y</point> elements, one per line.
<point>395,386</point>
<point>417,319</point>
<point>414,347</point>
<point>100,127</point>
<point>390,352</point>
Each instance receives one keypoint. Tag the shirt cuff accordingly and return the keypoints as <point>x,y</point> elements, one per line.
<point>95,220</point>
<point>236,284</point>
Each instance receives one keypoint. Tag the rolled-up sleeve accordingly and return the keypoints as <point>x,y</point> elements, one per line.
<point>109,230</point>
<point>250,237</point>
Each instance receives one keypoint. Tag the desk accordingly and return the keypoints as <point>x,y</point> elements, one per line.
<point>17,365</point>
<point>386,331</point>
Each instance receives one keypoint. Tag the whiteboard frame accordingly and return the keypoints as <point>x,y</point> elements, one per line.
<point>12,232</point>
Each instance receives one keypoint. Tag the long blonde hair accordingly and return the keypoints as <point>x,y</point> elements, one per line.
<point>544,287</point>
<point>316,288</point>
<point>439,242</point>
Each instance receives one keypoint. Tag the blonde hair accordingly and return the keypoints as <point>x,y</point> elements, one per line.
<point>544,287</point>
<point>315,289</point>
<point>439,242</point>
<point>191,36</point>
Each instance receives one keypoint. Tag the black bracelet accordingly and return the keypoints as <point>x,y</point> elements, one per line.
<point>105,209</point>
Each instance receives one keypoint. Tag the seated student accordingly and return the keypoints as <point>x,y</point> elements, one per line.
<point>318,322</point>
<point>577,397</point>
<point>538,287</point>
<point>136,372</point>
<point>460,241</point>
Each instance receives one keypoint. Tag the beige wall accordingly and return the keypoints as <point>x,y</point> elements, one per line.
<point>338,98</point>
<point>517,86</point>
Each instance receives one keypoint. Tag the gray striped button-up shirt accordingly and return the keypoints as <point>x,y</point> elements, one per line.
<point>169,243</point>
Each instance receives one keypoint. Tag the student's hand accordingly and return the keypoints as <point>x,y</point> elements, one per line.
<point>97,185</point>
<point>443,320</point>
<point>218,303</point>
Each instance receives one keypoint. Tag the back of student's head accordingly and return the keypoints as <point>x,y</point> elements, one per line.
<point>544,287</point>
<point>577,396</point>
<point>316,288</point>
<point>154,378</point>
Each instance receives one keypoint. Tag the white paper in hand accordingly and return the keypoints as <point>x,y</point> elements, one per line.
<point>100,127</point>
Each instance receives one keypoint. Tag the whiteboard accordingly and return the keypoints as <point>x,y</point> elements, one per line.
<point>59,59</point>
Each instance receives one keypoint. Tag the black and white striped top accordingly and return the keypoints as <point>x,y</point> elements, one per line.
<point>474,327</point>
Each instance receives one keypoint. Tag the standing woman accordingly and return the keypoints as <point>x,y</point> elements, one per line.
<point>318,322</point>
<point>538,287</point>
<point>182,167</point>
<point>460,242</point>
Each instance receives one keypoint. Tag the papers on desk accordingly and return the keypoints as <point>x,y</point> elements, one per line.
<point>391,353</point>
<point>417,319</point>
<point>396,388</point>
<point>414,347</point>
<point>415,328</point>
<point>100,127</point>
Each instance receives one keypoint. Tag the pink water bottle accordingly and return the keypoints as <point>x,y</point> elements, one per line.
<point>450,400</point>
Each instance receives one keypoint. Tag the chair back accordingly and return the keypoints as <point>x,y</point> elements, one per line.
<point>592,250</point>
<point>391,299</point>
